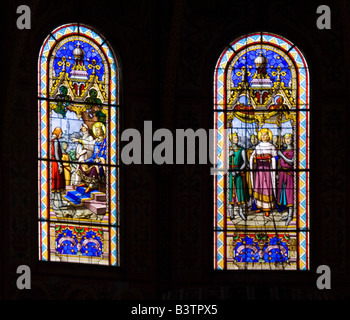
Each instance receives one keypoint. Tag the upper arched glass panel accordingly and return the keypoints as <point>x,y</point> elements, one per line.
<point>78,115</point>
<point>261,191</point>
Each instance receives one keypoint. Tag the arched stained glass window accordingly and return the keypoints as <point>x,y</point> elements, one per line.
<point>261,193</point>
<point>78,162</point>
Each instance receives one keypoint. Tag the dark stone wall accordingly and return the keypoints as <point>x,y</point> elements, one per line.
<point>168,51</point>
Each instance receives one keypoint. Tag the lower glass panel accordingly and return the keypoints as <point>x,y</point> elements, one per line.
<point>262,251</point>
<point>62,242</point>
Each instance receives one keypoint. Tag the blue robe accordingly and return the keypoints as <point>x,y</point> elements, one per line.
<point>100,150</point>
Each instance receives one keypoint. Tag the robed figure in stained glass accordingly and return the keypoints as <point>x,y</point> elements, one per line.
<point>85,148</point>
<point>58,184</point>
<point>91,171</point>
<point>285,194</point>
<point>263,163</point>
<point>254,141</point>
<point>237,184</point>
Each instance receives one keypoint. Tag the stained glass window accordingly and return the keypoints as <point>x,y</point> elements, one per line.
<point>261,189</point>
<point>78,163</point>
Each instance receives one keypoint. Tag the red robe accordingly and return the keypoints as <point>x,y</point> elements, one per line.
<point>57,179</point>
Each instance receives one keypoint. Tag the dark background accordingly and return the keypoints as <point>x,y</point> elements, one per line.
<point>168,51</point>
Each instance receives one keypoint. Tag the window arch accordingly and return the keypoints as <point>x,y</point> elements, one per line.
<point>78,162</point>
<point>261,114</point>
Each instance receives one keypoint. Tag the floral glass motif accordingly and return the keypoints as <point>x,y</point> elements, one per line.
<point>261,186</point>
<point>78,101</point>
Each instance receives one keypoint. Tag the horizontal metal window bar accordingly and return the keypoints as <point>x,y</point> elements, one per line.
<point>77,162</point>
<point>78,102</point>
<point>66,221</point>
<point>270,170</point>
<point>224,109</point>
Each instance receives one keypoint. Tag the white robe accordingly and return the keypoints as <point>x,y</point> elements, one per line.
<point>266,148</point>
<point>84,151</point>
<point>86,148</point>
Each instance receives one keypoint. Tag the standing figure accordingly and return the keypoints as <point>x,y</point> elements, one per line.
<point>283,145</point>
<point>285,191</point>
<point>66,165</point>
<point>91,171</point>
<point>57,176</point>
<point>263,163</point>
<point>237,185</point>
<point>254,142</point>
<point>275,141</point>
<point>84,149</point>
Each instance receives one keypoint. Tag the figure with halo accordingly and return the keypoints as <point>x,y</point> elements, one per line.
<point>91,171</point>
